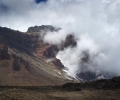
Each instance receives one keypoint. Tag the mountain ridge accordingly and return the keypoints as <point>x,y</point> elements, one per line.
<point>23,68</point>
<point>31,46</point>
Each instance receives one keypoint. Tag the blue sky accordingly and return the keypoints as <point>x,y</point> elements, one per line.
<point>38,1</point>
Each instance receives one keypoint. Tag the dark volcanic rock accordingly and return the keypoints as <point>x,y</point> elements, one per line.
<point>4,54</point>
<point>16,65</point>
<point>19,40</point>
<point>51,51</point>
<point>1,39</point>
<point>87,76</point>
<point>44,28</point>
<point>70,41</point>
<point>18,61</point>
<point>3,51</point>
<point>58,63</point>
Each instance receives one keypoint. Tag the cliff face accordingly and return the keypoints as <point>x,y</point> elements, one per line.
<point>70,41</point>
<point>12,38</point>
<point>29,42</point>
<point>23,70</point>
<point>3,51</point>
<point>43,28</point>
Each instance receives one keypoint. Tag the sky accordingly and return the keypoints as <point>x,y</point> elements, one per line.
<point>39,1</point>
<point>94,23</point>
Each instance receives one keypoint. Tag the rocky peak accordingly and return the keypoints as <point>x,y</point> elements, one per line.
<point>42,28</point>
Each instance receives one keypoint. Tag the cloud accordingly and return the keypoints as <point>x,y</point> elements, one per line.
<point>71,57</point>
<point>51,12</point>
<point>95,24</point>
<point>55,38</point>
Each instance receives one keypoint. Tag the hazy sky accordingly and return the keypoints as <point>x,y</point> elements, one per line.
<point>95,24</point>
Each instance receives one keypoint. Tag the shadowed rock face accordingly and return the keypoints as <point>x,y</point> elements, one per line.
<point>58,63</point>
<point>70,41</point>
<point>16,66</point>
<point>4,54</point>
<point>28,43</point>
<point>15,38</point>
<point>3,51</point>
<point>17,61</point>
<point>1,39</point>
<point>44,28</point>
<point>87,76</point>
<point>51,51</point>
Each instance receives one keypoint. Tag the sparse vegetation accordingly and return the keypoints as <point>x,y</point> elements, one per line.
<point>69,91</point>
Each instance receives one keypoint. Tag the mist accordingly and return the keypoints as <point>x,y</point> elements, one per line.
<point>94,23</point>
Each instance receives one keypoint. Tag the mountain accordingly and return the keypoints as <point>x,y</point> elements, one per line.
<point>40,56</point>
<point>18,64</point>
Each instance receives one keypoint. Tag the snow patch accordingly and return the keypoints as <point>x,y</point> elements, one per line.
<point>58,72</point>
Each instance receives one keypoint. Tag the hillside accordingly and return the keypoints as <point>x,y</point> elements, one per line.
<point>18,65</point>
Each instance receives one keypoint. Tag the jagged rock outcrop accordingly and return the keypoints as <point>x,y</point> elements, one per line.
<point>43,28</point>
<point>58,63</point>
<point>51,51</point>
<point>26,41</point>
<point>11,58</point>
<point>87,76</point>
<point>4,55</point>
<point>18,62</point>
<point>70,41</point>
